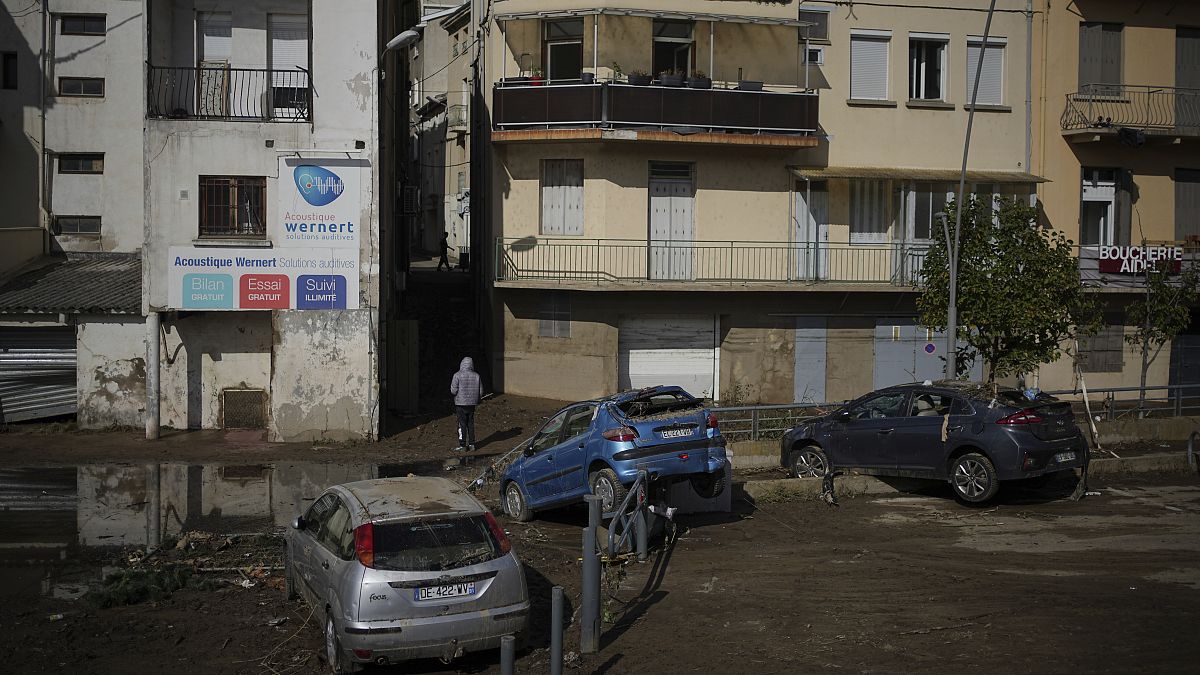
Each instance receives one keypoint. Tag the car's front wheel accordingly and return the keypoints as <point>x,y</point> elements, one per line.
<point>973,478</point>
<point>808,462</point>
<point>515,505</point>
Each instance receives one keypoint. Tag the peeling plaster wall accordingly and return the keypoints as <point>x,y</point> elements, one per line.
<point>111,371</point>
<point>323,379</point>
<point>112,505</point>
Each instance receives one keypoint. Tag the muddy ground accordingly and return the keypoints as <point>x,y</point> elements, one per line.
<point>901,583</point>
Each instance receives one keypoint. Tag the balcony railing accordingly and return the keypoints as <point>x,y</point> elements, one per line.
<point>617,105</point>
<point>1170,110</point>
<point>239,94</point>
<point>631,260</point>
<point>457,116</point>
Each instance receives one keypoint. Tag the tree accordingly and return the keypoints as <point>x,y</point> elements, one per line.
<point>1162,314</point>
<point>1020,296</point>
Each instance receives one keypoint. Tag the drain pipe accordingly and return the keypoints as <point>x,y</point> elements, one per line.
<point>153,349</point>
<point>1028,92</point>
<point>43,160</point>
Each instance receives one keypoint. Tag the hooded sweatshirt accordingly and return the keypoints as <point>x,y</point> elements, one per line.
<point>465,384</point>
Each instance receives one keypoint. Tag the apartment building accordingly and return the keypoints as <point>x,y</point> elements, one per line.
<point>735,197</point>
<point>1118,139</point>
<point>213,188</point>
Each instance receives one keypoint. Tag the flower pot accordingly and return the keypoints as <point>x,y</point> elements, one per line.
<point>750,85</point>
<point>519,81</point>
<point>670,80</point>
<point>537,80</point>
<point>699,83</point>
<point>587,78</point>
<point>639,80</point>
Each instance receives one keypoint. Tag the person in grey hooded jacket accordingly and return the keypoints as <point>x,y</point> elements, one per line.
<point>466,388</point>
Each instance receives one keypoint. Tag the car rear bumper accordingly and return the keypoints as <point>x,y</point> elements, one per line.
<point>676,459</point>
<point>1029,460</point>
<point>434,636</point>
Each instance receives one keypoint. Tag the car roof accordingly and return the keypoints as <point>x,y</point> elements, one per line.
<point>966,388</point>
<point>410,497</point>
<point>623,396</point>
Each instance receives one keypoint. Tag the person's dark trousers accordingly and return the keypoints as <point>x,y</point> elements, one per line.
<point>466,425</point>
<point>443,261</point>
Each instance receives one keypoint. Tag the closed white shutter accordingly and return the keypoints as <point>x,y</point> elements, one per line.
<point>868,67</point>
<point>215,36</point>
<point>562,197</point>
<point>679,350</point>
<point>991,79</point>
<point>289,49</point>
<point>869,218</point>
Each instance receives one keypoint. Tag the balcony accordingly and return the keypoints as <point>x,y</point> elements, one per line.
<point>617,106</point>
<point>229,94</point>
<point>1125,110</point>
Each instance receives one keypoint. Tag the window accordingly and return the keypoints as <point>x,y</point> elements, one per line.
<point>81,163</point>
<point>81,24</point>
<point>550,433</point>
<point>1104,352</point>
<point>869,213</point>
<point>815,56</point>
<point>232,206</point>
<point>8,70</point>
<point>673,47</point>
<point>878,407</point>
<point>336,535</point>
<point>563,50</point>
<point>77,224</point>
<point>927,67</point>
<point>215,38</point>
<point>922,201</point>
<point>869,66</point>
<point>81,86</point>
<point>1100,57</point>
<point>562,197</point>
<point>991,78</point>
<point>554,320</point>
<point>925,404</point>
<point>579,420</point>
<point>819,31</point>
<point>318,514</point>
<point>289,64</point>
<point>1187,205</point>
<point>1105,207</point>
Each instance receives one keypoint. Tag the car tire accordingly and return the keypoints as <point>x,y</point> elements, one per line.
<point>605,484</point>
<point>334,655</point>
<point>515,504</point>
<point>289,579</point>
<point>808,462</point>
<point>973,478</point>
<point>709,485</point>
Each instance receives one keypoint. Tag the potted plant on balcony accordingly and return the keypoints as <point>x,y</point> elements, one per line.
<point>670,78</point>
<point>699,80</point>
<point>617,73</point>
<point>639,78</point>
<point>750,85</point>
<point>587,78</point>
<point>536,79</point>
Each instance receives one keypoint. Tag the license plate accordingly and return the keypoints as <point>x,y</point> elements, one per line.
<point>675,433</point>
<point>448,591</point>
<point>1064,457</point>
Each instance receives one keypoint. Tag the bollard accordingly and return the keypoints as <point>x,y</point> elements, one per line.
<point>589,625</point>
<point>641,527</point>
<point>556,630</point>
<point>508,654</point>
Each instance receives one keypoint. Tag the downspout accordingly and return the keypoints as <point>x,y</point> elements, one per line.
<point>43,164</point>
<point>1029,94</point>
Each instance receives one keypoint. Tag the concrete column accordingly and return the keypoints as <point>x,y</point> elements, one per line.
<point>153,349</point>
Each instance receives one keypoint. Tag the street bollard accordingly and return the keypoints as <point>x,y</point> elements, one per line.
<point>589,625</point>
<point>641,527</point>
<point>508,654</point>
<point>556,630</point>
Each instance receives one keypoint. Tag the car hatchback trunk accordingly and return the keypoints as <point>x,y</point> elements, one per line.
<point>1047,420</point>
<point>665,418</point>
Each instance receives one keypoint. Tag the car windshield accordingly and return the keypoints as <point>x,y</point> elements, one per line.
<point>658,403</point>
<point>434,545</point>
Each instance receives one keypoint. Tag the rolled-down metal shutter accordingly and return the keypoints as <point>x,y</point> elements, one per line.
<point>37,373</point>
<point>678,350</point>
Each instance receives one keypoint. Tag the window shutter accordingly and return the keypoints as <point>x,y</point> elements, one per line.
<point>1110,53</point>
<point>562,197</point>
<point>1124,208</point>
<point>552,197</point>
<point>1187,204</point>
<point>216,36</point>
<point>868,67</point>
<point>1089,54</point>
<point>289,49</point>
<point>991,79</point>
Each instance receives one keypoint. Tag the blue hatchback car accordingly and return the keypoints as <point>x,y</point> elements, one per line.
<point>598,446</point>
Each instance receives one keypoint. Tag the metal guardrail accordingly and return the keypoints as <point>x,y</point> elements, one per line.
<point>757,422</point>
<point>629,519</point>
<point>1148,108</point>
<point>234,94</point>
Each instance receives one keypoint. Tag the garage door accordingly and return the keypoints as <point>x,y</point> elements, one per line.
<point>906,352</point>
<point>668,350</point>
<point>37,373</point>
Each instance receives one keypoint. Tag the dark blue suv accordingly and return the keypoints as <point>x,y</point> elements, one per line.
<point>598,446</point>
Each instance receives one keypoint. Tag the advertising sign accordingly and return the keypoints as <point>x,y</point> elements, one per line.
<point>1135,259</point>
<point>245,279</point>
<point>319,203</point>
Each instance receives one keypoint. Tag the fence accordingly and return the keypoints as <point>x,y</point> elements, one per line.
<point>1167,109</point>
<point>222,93</point>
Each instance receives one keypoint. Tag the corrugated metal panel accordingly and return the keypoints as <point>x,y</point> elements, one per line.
<point>37,506</point>
<point>37,373</point>
<point>678,350</point>
<point>107,283</point>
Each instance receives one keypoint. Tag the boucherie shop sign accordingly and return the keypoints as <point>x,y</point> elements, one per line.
<point>1135,259</point>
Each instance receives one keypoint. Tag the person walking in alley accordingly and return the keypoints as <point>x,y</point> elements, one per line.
<point>466,389</point>
<point>445,249</point>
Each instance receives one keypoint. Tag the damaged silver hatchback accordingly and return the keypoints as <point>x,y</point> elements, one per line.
<point>404,568</point>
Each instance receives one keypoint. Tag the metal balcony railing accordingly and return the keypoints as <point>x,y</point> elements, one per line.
<point>457,116</point>
<point>221,93</point>
<point>1171,110</point>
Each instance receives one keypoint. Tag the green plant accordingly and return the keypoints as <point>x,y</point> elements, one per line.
<point>537,72</point>
<point>699,74</point>
<point>616,68</point>
<point>637,72</point>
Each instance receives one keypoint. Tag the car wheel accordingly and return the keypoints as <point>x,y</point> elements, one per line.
<point>333,651</point>
<point>608,488</point>
<point>709,485</point>
<point>515,505</point>
<point>808,462</point>
<point>974,478</point>
<point>289,580</point>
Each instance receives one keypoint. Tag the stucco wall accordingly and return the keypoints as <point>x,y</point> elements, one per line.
<point>20,124</point>
<point>111,371</point>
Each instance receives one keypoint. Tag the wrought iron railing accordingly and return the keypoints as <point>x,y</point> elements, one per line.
<point>1140,107</point>
<point>221,93</point>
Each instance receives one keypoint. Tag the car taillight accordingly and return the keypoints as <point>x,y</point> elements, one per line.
<point>498,533</point>
<point>1026,416</point>
<point>712,421</point>
<point>364,544</point>
<point>620,434</point>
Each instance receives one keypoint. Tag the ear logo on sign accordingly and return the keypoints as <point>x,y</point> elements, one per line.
<point>319,186</point>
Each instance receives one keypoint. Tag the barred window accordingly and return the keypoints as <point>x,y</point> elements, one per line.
<point>233,206</point>
<point>81,163</point>
<point>77,225</point>
<point>554,319</point>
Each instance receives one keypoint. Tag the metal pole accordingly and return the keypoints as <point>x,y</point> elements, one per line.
<point>952,309</point>
<point>641,526</point>
<point>154,512</point>
<point>712,31</point>
<point>508,654</point>
<point>807,31</point>
<point>589,625</point>
<point>153,348</point>
<point>556,630</point>
<point>596,45</point>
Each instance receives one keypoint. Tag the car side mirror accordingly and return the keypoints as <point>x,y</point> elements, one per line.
<point>843,415</point>
<point>298,523</point>
<point>529,450</point>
